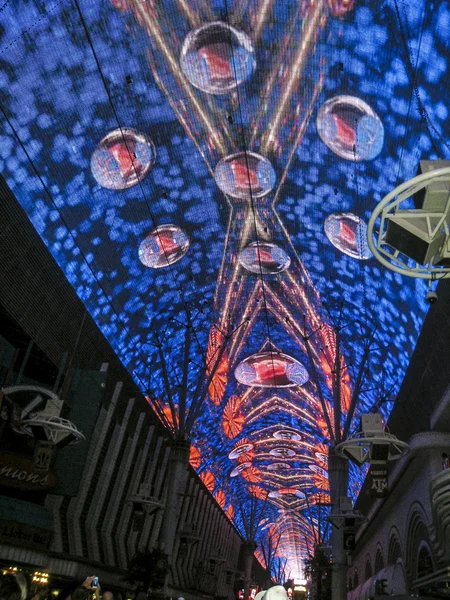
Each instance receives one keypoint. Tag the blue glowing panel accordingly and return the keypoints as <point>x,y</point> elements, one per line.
<point>177,155</point>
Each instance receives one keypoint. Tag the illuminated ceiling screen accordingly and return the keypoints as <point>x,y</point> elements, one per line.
<point>226,157</point>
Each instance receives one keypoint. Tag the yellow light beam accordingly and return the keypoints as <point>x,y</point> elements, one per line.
<point>150,24</point>
<point>261,18</point>
<point>317,89</point>
<point>312,23</point>
<point>193,17</point>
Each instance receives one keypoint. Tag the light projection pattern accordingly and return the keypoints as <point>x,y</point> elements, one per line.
<point>216,58</point>
<point>122,159</point>
<point>348,233</point>
<point>164,246</point>
<point>265,258</point>
<point>245,175</point>
<point>245,143</point>
<point>350,128</point>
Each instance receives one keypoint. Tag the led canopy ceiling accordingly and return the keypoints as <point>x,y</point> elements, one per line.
<point>202,173</point>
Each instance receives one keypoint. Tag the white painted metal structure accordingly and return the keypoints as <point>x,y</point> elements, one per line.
<point>360,446</point>
<point>43,413</point>
<point>437,224</point>
<point>372,444</point>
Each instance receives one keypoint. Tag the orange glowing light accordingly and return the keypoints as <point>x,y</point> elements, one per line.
<point>240,443</point>
<point>247,457</point>
<point>322,425</point>
<point>220,498</point>
<point>219,381</point>
<point>326,369</point>
<point>326,362</point>
<point>320,498</point>
<point>321,482</point>
<point>232,420</point>
<point>208,479</point>
<point>346,391</point>
<point>258,491</point>
<point>260,557</point>
<point>230,512</point>
<point>287,491</point>
<point>194,457</point>
<point>168,414</point>
<point>252,474</point>
<point>166,418</point>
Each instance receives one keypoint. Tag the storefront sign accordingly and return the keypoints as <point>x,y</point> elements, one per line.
<point>379,481</point>
<point>20,472</point>
<point>19,534</point>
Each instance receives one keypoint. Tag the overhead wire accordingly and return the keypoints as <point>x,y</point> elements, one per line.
<point>252,204</point>
<point>83,255</point>
<point>105,84</point>
<point>251,197</point>
<point>413,71</point>
<point>121,129</point>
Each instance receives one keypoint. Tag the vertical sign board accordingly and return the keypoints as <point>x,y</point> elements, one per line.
<point>379,480</point>
<point>349,534</point>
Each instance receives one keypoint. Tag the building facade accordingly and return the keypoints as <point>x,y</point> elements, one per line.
<point>404,546</point>
<point>82,520</point>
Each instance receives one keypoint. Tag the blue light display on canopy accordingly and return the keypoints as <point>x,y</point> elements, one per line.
<point>216,140</point>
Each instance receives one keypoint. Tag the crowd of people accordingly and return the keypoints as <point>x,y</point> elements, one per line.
<point>17,586</point>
